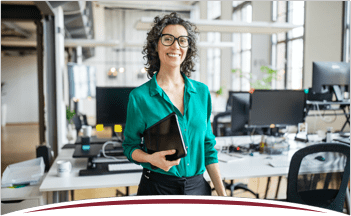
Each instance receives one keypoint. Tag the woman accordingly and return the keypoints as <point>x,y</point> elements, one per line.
<point>170,52</point>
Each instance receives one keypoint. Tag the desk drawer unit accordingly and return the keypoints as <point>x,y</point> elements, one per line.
<point>15,205</point>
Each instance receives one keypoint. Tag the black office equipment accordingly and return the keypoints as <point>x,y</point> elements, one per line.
<point>331,77</point>
<point>45,152</point>
<point>240,104</point>
<point>276,108</point>
<point>102,169</point>
<point>165,135</point>
<point>309,180</point>
<point>95,150</point>
<point>111,105</point>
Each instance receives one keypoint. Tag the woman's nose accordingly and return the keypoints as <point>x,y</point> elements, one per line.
<point>175,44</point>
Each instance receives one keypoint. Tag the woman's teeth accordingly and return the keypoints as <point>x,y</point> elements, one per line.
<point>173,55</point>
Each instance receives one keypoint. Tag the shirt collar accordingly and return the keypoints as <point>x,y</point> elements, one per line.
<point>156,89</point>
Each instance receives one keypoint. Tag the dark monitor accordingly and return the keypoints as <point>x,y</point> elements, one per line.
<point>111,105</point>
<point>278,107</point>
<point>331,76</point>
<point>240,104</point>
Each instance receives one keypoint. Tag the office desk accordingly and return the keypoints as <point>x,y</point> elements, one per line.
<point>248,167</point>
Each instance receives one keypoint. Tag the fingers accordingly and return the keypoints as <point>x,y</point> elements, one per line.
<point>174,163</point>
<point>169,152</point>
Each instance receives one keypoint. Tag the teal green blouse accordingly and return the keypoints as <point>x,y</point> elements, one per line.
<point>148,104</point>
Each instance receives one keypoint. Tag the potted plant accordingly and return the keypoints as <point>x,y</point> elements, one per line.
<point>71,131</point>
<point>265,82</point>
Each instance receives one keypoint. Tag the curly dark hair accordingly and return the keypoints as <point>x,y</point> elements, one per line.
<point>149,50</point>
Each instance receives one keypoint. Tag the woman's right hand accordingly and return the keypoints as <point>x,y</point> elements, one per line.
<point>158,159</point>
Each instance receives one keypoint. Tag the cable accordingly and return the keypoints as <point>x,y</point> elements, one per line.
<point>252,133</point>
<point>118,137</point>
<point>319,113</point>
<point>334,115</point>
<point>103,150</point>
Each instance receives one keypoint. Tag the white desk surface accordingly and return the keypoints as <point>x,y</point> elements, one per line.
<point>248,167</point>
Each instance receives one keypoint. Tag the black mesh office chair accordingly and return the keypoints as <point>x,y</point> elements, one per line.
<point>319,175</point>
<point>77,123</point>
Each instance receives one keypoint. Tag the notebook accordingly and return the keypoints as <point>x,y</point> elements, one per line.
<point>165,135</point>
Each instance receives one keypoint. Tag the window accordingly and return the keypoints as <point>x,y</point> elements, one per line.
<point>213,54</point>
<point>346,36</point>
<point>242,49</point>
<point>287,48</point>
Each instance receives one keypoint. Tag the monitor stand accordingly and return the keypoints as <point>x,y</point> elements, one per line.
<point>338,93</point>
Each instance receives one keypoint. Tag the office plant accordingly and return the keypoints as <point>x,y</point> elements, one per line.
<point>71,131</point>
<point>264,83</point>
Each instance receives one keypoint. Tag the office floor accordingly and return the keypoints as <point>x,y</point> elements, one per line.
<point>18,143</point>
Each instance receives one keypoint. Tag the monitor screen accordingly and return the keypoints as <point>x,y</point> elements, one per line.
<point>279,107</point>
<point>240,104</point>
<point>111,105</point>
<point>327,74</point>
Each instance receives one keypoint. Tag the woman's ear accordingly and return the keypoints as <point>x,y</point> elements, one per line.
<point>156,48</point>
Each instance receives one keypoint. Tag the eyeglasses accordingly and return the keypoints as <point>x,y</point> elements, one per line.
<point>168,40</point>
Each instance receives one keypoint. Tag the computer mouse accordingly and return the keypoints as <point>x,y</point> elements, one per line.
<point>320,158</point>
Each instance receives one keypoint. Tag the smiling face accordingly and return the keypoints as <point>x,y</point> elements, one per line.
<point>171,57</point>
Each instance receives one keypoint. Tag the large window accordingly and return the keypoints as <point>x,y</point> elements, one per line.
<point>287,48</point>
<point>213,54</point>
<point>242,49</point>
<point>346,37</point>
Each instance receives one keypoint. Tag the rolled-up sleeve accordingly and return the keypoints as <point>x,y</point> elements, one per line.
<point>210,139</point>
<point>135,126</point>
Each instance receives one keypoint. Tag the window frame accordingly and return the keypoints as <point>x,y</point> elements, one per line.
<point>287,42</point>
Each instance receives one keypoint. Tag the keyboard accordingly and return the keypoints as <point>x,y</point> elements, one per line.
<point>111,168</point>
<point>124,167</point>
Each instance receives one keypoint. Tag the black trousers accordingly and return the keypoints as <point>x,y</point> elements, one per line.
<point>152,183</point>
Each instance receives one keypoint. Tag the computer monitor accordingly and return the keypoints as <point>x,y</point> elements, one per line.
<point>240,104</point>
<point>111,105</point>
<point>331,77</point>
<point>276,107</point>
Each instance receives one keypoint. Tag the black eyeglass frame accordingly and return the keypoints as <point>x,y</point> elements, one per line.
<point>176,39</point>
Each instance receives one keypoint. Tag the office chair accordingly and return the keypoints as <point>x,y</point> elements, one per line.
<point>77,123</point>
<point>85,120</point>
<point>227,112</point>
<point>326,187</point>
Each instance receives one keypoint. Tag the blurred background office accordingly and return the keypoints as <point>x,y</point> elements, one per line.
<point>55,54</point>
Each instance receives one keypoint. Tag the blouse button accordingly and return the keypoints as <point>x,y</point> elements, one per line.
<point>184,129</point>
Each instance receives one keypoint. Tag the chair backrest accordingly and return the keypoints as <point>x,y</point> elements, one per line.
<point>77,123</point>
<point>319,175</point>
<point>85,120</point>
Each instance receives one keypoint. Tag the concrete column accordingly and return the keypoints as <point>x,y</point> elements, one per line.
<point>260,44</point>
<point>323,35</point>
<point>226,53</point>
<point>203,51</point>
<point>79,55</point>
<point>60,69</point>
<point>99,31</point>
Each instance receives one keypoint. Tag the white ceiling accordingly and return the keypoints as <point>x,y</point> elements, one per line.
<point>156,5</point>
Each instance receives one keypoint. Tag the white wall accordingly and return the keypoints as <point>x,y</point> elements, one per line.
<point>21,87</point>
<point>323,35</point>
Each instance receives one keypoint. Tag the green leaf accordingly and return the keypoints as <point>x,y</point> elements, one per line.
<point>69,114</point>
